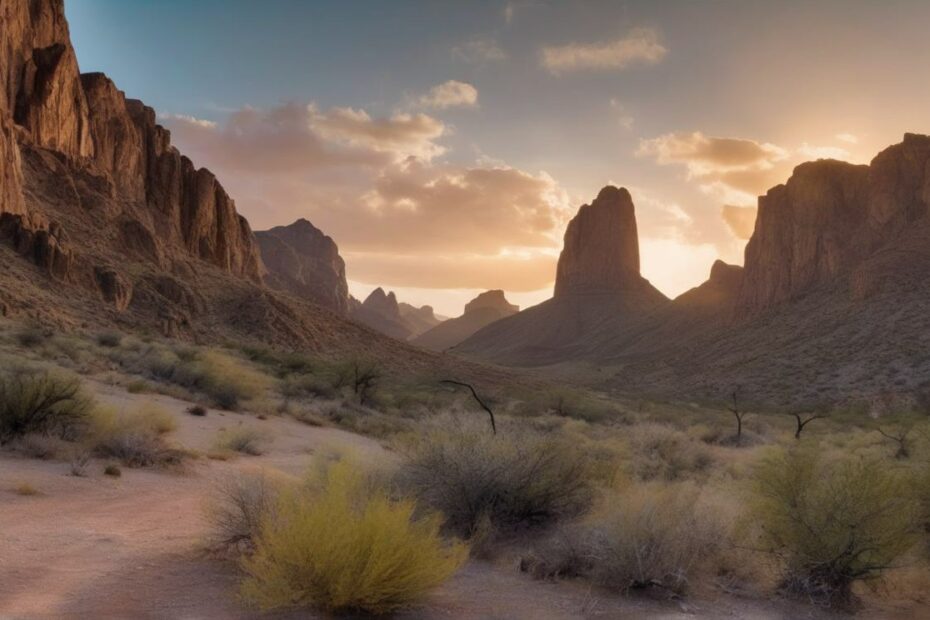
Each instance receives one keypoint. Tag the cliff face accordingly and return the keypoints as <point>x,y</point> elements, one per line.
<point>601,249</point>
<point>828,218</point>
<point>111,154</point>
<point>302,260</point>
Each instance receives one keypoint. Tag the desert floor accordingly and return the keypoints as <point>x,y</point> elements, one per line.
<point>133,547</point>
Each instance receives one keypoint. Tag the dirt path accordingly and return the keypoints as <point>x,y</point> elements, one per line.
<point>99,547</point>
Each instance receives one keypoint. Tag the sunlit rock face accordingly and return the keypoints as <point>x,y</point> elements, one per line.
<point>829,217</point>
<point>302,260</point>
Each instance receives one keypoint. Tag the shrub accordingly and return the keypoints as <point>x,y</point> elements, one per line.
<point>832,523</point>
<point>648,538</point>
<point>197,410</point>
<point>243,439</point>
<point>31,336</point>
<point>343,547</point>
<point>514,480</point>
<point>137,387</point>
<point>135,439</point>
<point>653,538</point>
<point>238,506</point>
<point>109,339</point>
<point>113,471</point>
<point>663,453</point>
<point>40,403</point>
<point>43,447</point>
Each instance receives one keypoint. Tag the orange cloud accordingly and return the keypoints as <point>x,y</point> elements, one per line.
<point>450,94</point>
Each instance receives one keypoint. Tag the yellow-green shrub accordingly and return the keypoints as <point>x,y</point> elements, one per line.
<point>343,547</point>
<point>42,403</point>
<point>832,523</point>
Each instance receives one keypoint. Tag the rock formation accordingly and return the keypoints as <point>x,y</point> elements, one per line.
<point>601,248</point>
<point>86,173</point>
<point>417,320</point>
<point>597,283</point>
<point>481,311</point>
<point>302,260</point>
<point>382,312</point>
<point>829,217</point>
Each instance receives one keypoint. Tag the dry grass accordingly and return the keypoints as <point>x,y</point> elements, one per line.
<point>248,440</point>
<point>496,485</point>
<point>27,490</point>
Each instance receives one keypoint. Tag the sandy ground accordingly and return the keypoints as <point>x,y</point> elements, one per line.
<point>99,547</point>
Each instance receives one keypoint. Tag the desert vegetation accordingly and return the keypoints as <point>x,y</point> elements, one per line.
<point>628,496</point>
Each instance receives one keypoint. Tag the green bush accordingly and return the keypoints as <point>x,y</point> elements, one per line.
<point>509,482</point>
<point>343,547</point>
<point>41,403</point>
<point>832,523</point>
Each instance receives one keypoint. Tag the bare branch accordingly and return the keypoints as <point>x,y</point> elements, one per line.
<point>476,397</point>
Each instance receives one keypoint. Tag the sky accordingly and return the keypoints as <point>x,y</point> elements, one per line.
<point>444,145</point>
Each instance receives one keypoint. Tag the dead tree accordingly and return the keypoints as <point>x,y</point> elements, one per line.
<point>364,379</point>
<point>804,422</point>
<point>477,399</point>
<point>904,450</point>
<point>739,415</point>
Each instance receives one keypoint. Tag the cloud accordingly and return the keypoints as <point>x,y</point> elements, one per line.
<point>378,186</point>
<point>706,155</point>
<point>639,46</point>
<point>741,220</point>
<point>730,169</point>
<point>847,137</point>
<point>449,95</point>
<point>823,152</point>
<point>479,51</point>
<point>295,137</point>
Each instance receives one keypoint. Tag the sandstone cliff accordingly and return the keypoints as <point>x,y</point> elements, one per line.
<point>302,260</point>
<point>831,216</point>
<point>481,311</point>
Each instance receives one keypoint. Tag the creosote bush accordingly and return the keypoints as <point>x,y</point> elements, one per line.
<point>135,438</point>
<point>243,439</point>
<point>497,485</point>
<point>832,523</point>
<point>663,453</point>
<point>238,506</point>
<point>652,537</point>
<point>41,403</point>
<point>341,546</point>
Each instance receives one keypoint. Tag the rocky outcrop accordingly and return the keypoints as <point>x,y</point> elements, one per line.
<point>41,90</point>
<point>830,216</point>
<point>185,206</point>
<point>100,137</point>
<point>381,312</point>
<point>114,288</point>
<point>417,320</point>
<point>481,311</point>
<point>718,293</point>
<point>491,300</point>
<point>302,260</point>
<point>601,249</point>
<point>598,288</point>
